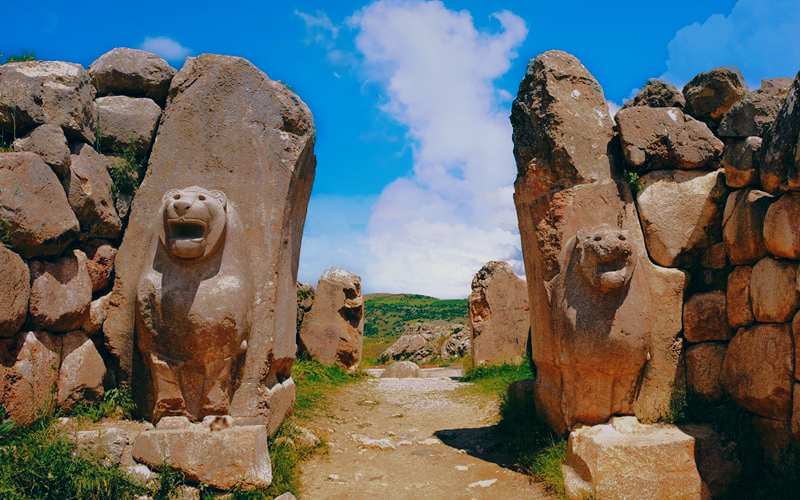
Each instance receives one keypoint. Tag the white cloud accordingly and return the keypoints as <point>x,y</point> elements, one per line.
<point>761,38</point>
<point>613,108</point>
<point>430,232</point>
<point>319,28</point>
<point>165,47</point>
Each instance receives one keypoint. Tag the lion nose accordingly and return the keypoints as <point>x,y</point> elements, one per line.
<point>181,206</point>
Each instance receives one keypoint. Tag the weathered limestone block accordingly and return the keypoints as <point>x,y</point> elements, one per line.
<point>109,443</point>
<point>603,311</point>
<point>705,317</point>
<point>333,330</point>
<point>82,371</point>
<point>127,124</point>
<point>561,124</point>
<point>37,92</point>
<point>657,138</point>
<point>782,227</point>
<point>131,72</point>
<point>703,370</point>
<point>681,213</point>
<point>229,128</point>
<point>401,369</point>
<point>711,94</point>
<point>61,292</point>
<point>756,112</point>
<point>737,294</point>
<point>773,290</point>
<point>214,452</point>
<point>28,373</point>
<point>740,160</point>
<point>49,142</point>
<point>499,315</point>
<point>743,225</point>
<point>33,206</point>
<point>657,93</point>
<point>305,299</point>
<point>626,459</point>
<point>779,166</point>
<point>762,387</point>
<point>15,290</point>
<point>88,188</point>
<point>100,262</point>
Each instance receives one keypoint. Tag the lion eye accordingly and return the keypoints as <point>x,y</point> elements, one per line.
<point>202,197</point>
<point>176,196</point>
<point>622,237</point>
<point>597,238</point>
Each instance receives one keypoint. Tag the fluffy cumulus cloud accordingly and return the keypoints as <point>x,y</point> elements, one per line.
<point>430,231</point>
<point>165,47</point>
<point>760,38</point>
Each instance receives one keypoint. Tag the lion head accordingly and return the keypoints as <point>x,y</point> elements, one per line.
<point>604,257</point>
<point>193,222</point>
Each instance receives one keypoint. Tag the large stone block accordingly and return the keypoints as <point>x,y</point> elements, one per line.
<point>82,371</point>
<point>779,165</point>
<point>499,315</point>
<point>61,292</point>
<point>226,128</point>
<point>657,93</point>
<point>37,92</point>
<point>782,227</point>
<point>737,294</point>
<point>755,113</point>
<point>88,188</point>
<point>773,290</point>
<point>33,207</point>
<point>127,124</point>
<point>333,330</point>
<point>100,256</point>
<point>49,142</point>
<point>131,72</point>
<point>625,459</point>
<point>214,452</point>
<point>711,94</point>
<point>561,124</point>
<point>28,373</point>
<point>681,214</point>
<point>658,138</point>
<point>740,160</point>
<point>705,317</point>
<point>703,369</point>
<point>762,387</point>
<point>743,225</point>
<point>15,290</point>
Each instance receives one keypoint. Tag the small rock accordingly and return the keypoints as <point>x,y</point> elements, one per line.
<point>657,93</point>
<point>379,444</point>
<point>429,441</point>
<point>482,484</point>
<point>333,477</point>
<point>461,467</point>
<point>401,369</point>
<point>712,94</point>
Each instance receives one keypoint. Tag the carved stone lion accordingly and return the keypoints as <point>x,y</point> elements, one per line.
<point>193,306</point>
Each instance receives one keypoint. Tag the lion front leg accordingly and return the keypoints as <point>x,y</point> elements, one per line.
<point>216,389</point>
<point>166,388</point>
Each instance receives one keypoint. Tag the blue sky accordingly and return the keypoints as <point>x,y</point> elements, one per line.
<point>411,100</point>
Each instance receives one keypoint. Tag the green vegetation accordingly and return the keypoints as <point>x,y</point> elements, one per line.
<point>116,403</point>
<point>126,173</point>
<point>386,315</point>
<point>25,55</point>
<point>494,380</point>
<point>633,180</point>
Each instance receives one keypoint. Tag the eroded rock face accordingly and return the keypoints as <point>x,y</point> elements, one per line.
<point>37,92</point>
<point>28,372</point>
<point>100,262</point>
<point>743,223</point>
<point>428,341</point>
<point>61,292</point>
<point>654,138</point>
<point>657,93</point>
<point>740,308</point>
<point>740,160</point>
<point>755,113</point>
<point>88,188</point>
<point>499,315</point>
<point>703,369</point>
<point>137,73</point>
<point>681,213</point>
<point>333,330</point>
<point>760,387</point>
<point>34,207</point>
<point>705,317</point>
<point>229,128</point>
<point>127,124</point>
<point>82,371</point>
<point>47,141</point>
<point>192,326</point>
<point>782,227</point>
<point>780,168</point>
<point>603,311</point>
<point>625,459</point>
<point>15,290</point>
<point>773,290</point>
<point>711,94</point>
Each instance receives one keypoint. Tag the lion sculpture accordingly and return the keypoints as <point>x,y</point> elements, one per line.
<point>193,306</point>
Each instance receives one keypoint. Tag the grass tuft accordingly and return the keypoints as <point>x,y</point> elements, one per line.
<point>494,379</point>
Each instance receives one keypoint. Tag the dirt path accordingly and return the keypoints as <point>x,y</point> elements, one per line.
<point>411,438</point>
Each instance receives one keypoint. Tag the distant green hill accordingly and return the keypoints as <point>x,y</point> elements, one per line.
<point>387,314</point>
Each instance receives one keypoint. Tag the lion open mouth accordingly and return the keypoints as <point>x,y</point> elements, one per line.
<point>187,229</point>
